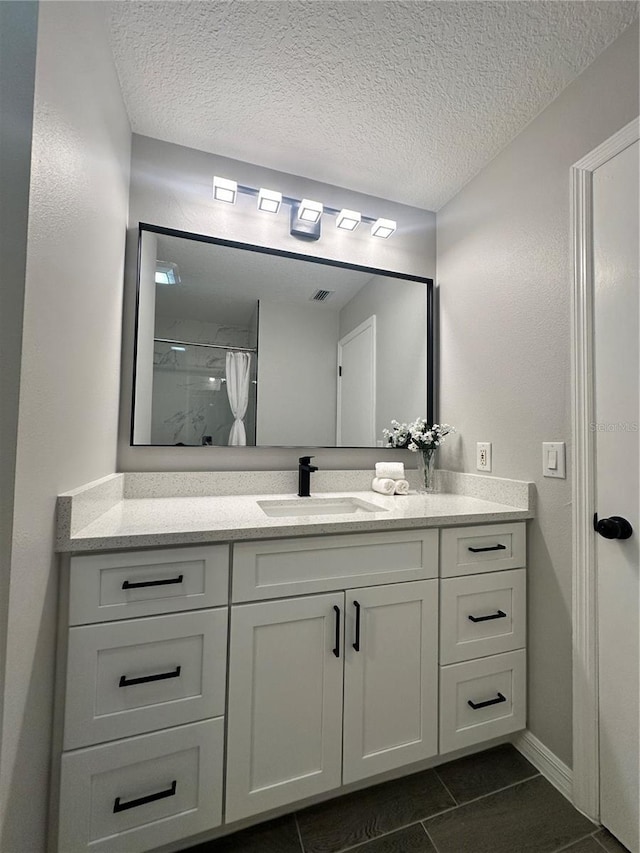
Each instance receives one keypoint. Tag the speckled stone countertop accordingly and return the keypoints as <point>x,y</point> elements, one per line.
<point>120,512</point>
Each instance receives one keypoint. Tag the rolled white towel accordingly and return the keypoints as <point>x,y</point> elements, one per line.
<point>384,485</point>
<point>390,470</point>
<point>402,487</point>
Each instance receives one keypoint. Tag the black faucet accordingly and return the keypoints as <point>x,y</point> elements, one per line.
<point>305,469</point>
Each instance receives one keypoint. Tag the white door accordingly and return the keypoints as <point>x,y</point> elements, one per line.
<point>391,677</point>
<point>357,386</point>
<point>284,738</point>
<point>617,370</point>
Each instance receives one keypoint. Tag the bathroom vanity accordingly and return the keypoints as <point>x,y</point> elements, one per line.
<point>218,670</point>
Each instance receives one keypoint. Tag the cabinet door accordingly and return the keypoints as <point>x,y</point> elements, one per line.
<point>285,702</point>
<point>391,677</point>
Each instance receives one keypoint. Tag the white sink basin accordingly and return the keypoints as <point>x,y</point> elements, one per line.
<point>317,506</point>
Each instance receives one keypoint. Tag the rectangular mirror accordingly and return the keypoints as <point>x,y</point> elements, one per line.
<point>243,345</point>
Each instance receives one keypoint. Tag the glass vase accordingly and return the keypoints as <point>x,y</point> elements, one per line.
<point>427,471</point>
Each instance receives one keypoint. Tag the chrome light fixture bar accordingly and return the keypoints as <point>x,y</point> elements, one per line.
<point>306,214</point>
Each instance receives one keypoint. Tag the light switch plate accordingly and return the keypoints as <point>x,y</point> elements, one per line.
<point>554,459</point>
<point>483,456</point>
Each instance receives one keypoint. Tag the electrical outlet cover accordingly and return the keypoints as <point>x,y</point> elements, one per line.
<point>483,456</point>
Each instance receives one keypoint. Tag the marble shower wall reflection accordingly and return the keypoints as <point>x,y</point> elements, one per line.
<point>189,400</point>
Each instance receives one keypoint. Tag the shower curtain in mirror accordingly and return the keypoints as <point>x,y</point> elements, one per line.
<point>237,372</point>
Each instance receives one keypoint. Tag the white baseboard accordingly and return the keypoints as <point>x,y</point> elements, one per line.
<point>554,770</point>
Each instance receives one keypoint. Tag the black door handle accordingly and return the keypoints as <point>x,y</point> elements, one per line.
<point>475,705</point>
<point>614,527</point>
<point>141,584</point>
<point>336,648</point>
<point>490,548</point>
<point>356,644</point>
<point>142,801</point>
<point>499,615</point>
<point>145,679</point>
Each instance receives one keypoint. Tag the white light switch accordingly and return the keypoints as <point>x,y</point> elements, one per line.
<point>553,459</point>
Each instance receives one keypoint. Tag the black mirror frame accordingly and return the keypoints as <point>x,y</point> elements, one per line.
<point>265,250</point>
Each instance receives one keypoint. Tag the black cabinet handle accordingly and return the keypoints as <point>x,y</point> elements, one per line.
<point>356,644</point>
<point>140,584</point>
<point>490,548</point>
<point>145,679</point>
<point>475,705</point>
<point>498,615</point>
<point>142,801</point>
<point>336,649</point>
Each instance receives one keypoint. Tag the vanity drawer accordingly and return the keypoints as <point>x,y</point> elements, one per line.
<point>482,615</point>
<point>485,548</point>
<point>143,583</point>
<point>141,793</point>
<point>285,567</point>
<point>125,678</point>
<point>496,686</point>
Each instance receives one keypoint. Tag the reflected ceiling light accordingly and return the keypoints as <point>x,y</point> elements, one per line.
<point>225,190</point>
<point>167,273</point>
<point>309,211</point>
<point>383,228</point>
<point>348,220</point>
<point>269,200</point>
<point>179,349</point>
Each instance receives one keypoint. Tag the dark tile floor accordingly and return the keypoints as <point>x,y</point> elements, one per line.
<point>492,802</point>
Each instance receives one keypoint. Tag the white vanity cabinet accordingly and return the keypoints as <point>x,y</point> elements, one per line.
<point>482,633</point>
<point>326,660</point>
<point>146,664</point>
<point>328,689</point>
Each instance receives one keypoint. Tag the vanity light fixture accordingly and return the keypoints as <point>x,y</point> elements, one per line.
<point>348,220</point>
<point>269,200</point>
<point>309,211</point>
<point>383,228</point>
<point>305,214</point>
<point>225,190</point>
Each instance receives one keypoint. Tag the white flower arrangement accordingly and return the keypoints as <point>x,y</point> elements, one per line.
<point>418,435</point>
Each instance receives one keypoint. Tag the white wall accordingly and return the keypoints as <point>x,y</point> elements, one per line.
<point>70,368</point>
<point>297,365</point>
<point>401,345</point>
<point>18,35</point>
<point>504,254</point>
<point>172,186</point>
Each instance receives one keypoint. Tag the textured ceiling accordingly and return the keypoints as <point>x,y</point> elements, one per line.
<point>402,100</point>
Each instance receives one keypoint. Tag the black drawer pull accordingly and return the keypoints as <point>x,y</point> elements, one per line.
<point>140,584</point>
<point>145,679</point>
<point>336,649</point>
<point>498,615</point>
<point>356,644</point>
<point>490,548</point>
<point>142,801</point>
<point>475,705</point>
